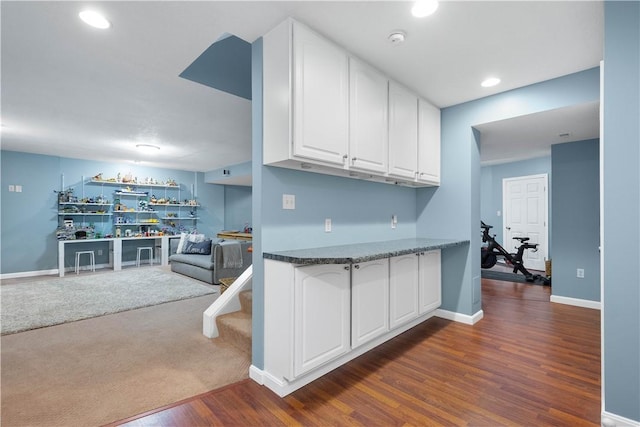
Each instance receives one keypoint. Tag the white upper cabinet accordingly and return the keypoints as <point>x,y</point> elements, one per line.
<point>326,111</point>
<point>403,132</point>
<point>428,143</point>
<point>368,137</point>
<point>321,98</point>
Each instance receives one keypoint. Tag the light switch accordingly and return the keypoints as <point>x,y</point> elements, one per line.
<point>288,201</point>
<point>12,188</point>
<point>327,225</point>
<point>18,188</point>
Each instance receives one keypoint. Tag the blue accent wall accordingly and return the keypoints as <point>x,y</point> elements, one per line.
<point>453,209</point>
<point>621,204</point>
<point>30,218</point>
<point>576,219</point>
<point>491,189</point>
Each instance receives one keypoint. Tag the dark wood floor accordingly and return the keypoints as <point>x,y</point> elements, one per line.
<point>529,362</point>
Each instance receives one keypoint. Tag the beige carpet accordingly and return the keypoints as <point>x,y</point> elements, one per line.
<point>95,371</point>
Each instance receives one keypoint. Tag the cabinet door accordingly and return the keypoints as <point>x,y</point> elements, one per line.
<point>430,281</point>
<point>369,301</point>
<point>322,326</point>
<point>403,288</point>
<point>403,132</point>
<point>368,118</point>
<point>428,143</point>
<point>321,98</point>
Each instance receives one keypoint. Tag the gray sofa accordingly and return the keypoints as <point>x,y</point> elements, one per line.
<point>208,268</point>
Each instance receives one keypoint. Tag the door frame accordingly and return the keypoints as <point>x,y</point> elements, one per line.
<point>545,176</point>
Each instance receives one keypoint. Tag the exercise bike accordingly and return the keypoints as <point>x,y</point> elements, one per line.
<point>493,250</point>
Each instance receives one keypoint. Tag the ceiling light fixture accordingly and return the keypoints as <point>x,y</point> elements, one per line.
<point>148,148</point>
<point>490,82</point>
<point>423,8</point>
<point>95,19</point>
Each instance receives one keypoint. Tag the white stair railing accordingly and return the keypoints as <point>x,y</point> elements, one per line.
<point>228,302</point>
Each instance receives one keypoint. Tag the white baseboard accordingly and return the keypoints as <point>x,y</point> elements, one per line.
<point>613,420</point>
<point>256,374</point>
<point>459,317</point>
<point>597,305</point>
<point>28,274</point>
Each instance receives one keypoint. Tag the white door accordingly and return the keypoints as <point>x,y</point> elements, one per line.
<point>322,323</point>
<point>369,301</point>
<point>524,203</point>
<point>403,289</point>
<point>321,98</point>
<point>403,132</point>
<point>368,106</point>
<point>430,281</point>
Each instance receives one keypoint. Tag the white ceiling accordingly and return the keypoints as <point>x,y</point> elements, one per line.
<point>74,91</point>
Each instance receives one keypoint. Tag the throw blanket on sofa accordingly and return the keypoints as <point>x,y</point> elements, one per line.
<point>231,254</point>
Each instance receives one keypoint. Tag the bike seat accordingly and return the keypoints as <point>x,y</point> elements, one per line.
<point>521,239</point>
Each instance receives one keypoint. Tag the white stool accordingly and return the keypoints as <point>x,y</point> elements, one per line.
<point>145,248</point>
<point>92,260</point>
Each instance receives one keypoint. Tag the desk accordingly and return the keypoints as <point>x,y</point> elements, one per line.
<point>115,249</point>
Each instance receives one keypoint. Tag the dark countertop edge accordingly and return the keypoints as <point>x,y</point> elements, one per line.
<point>291,257</point>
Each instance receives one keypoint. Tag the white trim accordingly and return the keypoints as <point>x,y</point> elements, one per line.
<point>459,317</point>
<point>601,166</point>
<point>227,302</point>
<point>577,302</point>
<point>613,420</point>
<point>256,374</point>
<point>28,274</point>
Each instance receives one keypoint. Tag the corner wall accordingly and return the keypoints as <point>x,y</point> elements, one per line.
<point>576,219</point>
<point>621,211</point>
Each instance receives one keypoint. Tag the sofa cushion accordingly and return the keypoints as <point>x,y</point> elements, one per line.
<point>201,248</point>
<point>203,261</point>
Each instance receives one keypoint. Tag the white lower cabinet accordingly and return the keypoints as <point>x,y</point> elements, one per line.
<point>430,281</point>
<point>322,315</point>
<point>403,287</point>
<point>369,301</point>
<point>317,317</point>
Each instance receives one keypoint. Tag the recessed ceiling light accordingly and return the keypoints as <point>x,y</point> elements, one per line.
<point>95,19</point>
<point>148,148</point>
<point>491,81</point>
<point>422,8</point>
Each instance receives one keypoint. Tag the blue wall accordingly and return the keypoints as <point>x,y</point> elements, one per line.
<point>621,216</point>
<point>30,218</point>
<point>576,219</point>
<point>453,209</point>
<point>237,207</point>
<point>491,189</point>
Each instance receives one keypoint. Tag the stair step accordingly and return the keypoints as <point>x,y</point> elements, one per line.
<point>235,328</point>
<point>246,301</point>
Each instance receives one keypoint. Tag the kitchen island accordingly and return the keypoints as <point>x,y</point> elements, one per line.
<point>326,306</point>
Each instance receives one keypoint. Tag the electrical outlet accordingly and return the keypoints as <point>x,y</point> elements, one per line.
<point>99,251</point>
<point>580,273</point>
<point>394,220</point>
<point>327,225</point>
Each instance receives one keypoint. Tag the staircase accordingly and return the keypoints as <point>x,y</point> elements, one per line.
<point>235,327</point>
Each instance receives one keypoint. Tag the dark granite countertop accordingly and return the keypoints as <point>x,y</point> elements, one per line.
<point>361,252</point>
